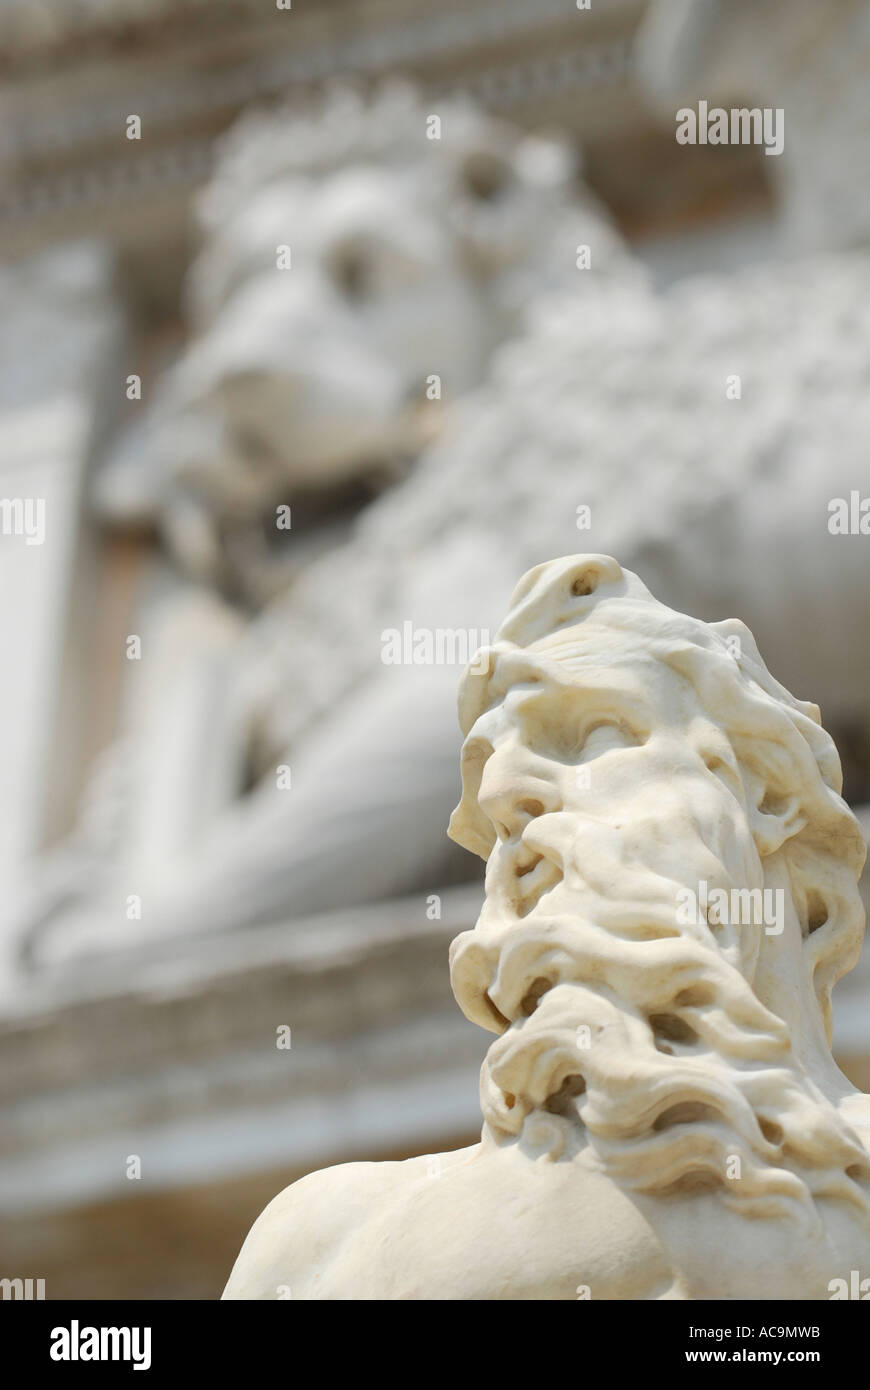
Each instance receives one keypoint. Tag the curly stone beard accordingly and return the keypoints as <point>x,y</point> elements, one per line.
<point>641,1042</point>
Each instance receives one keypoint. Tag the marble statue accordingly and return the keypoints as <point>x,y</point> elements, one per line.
<point>410,256</point>
<point>359,263</point>
<point>662,1083</point>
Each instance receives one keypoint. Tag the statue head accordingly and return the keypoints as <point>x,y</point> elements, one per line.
<point>359,263</point>
<point>623,762</point>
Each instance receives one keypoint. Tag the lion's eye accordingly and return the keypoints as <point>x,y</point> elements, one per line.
<point>485,175</point>
<point>353,272</point>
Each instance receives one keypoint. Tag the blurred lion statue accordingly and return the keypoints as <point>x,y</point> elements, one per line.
<point>661,1087</point>
<point>359,262</point>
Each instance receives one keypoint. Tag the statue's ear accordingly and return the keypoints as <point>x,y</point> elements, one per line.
<point>504,191</point>
<point>773,790</point>
<point>775,818</point>
<point>483,180</point>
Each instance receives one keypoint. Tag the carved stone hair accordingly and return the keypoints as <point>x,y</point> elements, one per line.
<point>465,175</point>
<point>346,125</point>
<point>657,1116</point>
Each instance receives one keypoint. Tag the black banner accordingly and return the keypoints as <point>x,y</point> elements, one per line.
<point>244,1339</point>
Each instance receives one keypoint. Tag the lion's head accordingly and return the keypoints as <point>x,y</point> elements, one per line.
<point>359,264</point>
<point>619,756</point>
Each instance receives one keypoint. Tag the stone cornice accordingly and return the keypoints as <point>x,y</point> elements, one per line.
<point>62,134</point>
<point>171,1053</point>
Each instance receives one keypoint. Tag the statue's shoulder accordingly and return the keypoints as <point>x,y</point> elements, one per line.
<point>422,1229</point>
<point>296,1242</point>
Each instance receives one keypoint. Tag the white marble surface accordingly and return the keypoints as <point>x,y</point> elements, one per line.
<point>660,1086</point>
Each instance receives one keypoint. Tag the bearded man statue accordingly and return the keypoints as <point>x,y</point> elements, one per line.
<point>662,1086</point>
